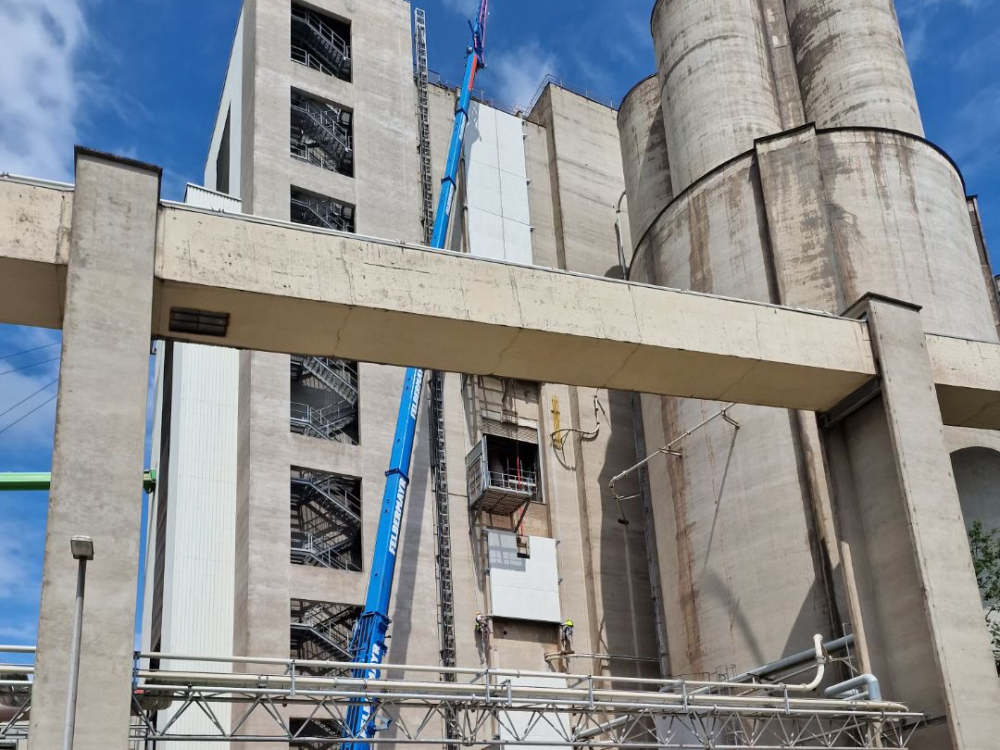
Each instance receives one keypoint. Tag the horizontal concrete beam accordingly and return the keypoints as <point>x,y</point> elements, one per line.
<point>288,288</point>
<point>291,290</point>
<point>967,377</point>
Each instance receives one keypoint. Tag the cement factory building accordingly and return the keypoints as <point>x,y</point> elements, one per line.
<point>776,156</point>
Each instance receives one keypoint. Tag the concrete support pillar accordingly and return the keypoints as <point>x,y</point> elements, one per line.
<point>901,523</point>
<point>98,460</point>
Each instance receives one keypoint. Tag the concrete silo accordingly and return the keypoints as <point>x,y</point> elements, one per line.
<point>799,176</point>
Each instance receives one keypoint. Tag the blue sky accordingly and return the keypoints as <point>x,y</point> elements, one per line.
<point>142,78</point>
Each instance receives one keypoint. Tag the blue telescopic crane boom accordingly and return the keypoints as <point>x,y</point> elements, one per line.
<point>368,641</point>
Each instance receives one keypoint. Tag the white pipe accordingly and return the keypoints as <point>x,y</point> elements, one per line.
<point>844,690</point>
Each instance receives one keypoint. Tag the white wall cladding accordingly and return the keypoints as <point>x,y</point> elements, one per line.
<point>198,590</point>
<point>499,222</point>
<point>524,588</point>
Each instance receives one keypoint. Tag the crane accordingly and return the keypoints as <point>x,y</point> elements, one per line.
<point>368,641</point>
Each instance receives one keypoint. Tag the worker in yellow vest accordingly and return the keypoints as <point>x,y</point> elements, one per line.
<point>567,635</point>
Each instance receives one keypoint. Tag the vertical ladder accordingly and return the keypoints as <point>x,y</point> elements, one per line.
<point>423,116</point>
<point>439,462</point>
<point>442,541</point>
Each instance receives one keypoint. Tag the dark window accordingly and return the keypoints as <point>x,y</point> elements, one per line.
<point>324,398</point>
<point>222,160</point>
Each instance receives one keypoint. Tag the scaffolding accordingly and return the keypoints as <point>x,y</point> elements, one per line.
<point>490,706</point>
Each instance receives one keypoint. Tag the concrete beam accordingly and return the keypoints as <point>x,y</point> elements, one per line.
<point>35,221</point>
<point>967,376</point>
<point>288,289</point>
<point>100,432</point>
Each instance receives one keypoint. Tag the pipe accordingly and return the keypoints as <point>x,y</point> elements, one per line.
<point>606,657</point>
<point>844,689</point>
<point>618,236</point>
<point>794,660</point>
<point>668,449</point>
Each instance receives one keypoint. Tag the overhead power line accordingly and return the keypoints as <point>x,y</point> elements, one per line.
<point>28,414</point>
<point>28,398</point>
<point>28,367</point>
<point>29,351</point>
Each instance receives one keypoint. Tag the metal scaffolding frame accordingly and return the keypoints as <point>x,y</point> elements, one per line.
<point>490,707</point>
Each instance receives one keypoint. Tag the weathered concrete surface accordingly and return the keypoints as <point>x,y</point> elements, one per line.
<point>644,155</point>
<point>967,374</point>
<point>100,431</point>
<point>899,513</point>
<point>585,171</point>
<point>378,303</point>
<point>717,88</point>
<point>851,65</point>
<point>35,223</point>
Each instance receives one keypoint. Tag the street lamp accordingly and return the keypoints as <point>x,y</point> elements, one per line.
<point>82,548</point>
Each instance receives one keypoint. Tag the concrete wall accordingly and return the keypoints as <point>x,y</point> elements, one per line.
<point>769,209</point>
<point>851,65</point>
<point>716,83</point>
<point>231,107</point>
<point>645,155</point>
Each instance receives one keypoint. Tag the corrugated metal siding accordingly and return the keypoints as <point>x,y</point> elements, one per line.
<point>204,198</point>
<point>201,528</point>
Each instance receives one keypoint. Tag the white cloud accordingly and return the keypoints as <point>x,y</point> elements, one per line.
<point>41,90</point>
<point>515,75</point>
<point>972,140</point>
<point>915,17</point>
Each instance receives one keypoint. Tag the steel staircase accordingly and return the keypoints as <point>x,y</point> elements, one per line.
<point>326,521</point>
<point>316,126</point>
<point>327,423</point>
<point>322,47</point>
<point>322,632</point>
<point>335,374</point>
<point>325,213</point>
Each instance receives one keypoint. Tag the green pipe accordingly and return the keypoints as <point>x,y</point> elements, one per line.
<point>40,481</point>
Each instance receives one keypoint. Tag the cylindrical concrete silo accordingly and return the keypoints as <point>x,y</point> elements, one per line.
<point>644,155</point>
<point>851,208</point>
<point>851,64</point>
<point>716,82</point>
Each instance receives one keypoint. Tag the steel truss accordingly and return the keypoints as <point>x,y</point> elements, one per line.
<point>489,707</point>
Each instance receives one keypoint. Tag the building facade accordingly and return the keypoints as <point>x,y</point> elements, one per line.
<point>507,510</point>
<point>776,155</point>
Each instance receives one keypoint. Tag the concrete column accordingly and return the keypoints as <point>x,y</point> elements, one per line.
<point>98,460</point>
<point>899,516</point>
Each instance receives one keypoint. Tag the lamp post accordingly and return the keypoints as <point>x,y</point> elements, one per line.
<point>82,548</point>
